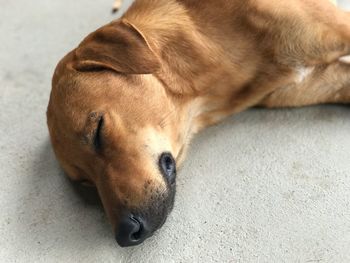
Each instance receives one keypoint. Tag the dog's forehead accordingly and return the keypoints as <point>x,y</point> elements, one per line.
<point>76,95</point>
<point>136,101</point>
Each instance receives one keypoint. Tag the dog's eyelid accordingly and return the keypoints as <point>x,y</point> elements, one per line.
<point>97,141</point>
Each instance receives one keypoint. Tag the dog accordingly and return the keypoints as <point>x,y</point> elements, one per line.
<point>127,101</point>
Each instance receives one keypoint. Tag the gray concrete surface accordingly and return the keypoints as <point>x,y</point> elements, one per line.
<point>265,186</point>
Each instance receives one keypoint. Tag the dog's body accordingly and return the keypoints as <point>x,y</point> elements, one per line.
<point>168,69</point>
<point>285,54</point>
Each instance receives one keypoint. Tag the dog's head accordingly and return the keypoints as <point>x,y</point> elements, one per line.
<point>111,124</point>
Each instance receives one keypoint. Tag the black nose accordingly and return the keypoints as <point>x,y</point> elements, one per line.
<point>132,231</point>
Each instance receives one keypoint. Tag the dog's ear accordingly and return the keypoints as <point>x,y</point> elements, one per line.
<point>118,46</point>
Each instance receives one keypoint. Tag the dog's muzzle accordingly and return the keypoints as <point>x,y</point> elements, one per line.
<point>136,226</point>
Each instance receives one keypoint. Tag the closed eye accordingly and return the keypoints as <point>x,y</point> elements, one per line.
<point>98,136</point>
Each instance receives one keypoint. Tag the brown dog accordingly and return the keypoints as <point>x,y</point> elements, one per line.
<point>127,101</point>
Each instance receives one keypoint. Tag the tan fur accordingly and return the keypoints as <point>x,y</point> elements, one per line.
<point>168,69</point>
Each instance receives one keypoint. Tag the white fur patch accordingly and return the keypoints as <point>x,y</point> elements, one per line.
<point>117,4</point>
<point>345,59</point>
<point>155,141</point>
<point>303,73</point>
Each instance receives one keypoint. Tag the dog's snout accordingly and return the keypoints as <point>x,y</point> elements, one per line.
<point>132,231</point>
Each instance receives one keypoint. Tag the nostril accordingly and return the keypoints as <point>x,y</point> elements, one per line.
<point>132,231</point>
<point>137,234</point>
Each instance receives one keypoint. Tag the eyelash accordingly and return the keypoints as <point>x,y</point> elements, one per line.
<point>97,137</point>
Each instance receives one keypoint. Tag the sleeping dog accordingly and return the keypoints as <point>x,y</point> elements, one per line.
<point>127,101</point>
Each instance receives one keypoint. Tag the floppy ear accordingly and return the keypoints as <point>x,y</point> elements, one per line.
<point>118,46</point>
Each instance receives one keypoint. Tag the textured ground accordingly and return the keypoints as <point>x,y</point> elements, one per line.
<point>265,186</point>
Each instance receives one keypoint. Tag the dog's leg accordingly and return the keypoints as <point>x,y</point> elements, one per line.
<point>304,32</point>
<point>116,6</point>
<point>323,72</point>
<point>321,84</point>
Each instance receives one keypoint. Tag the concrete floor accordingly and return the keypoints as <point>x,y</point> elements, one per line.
<point>265,186</point>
